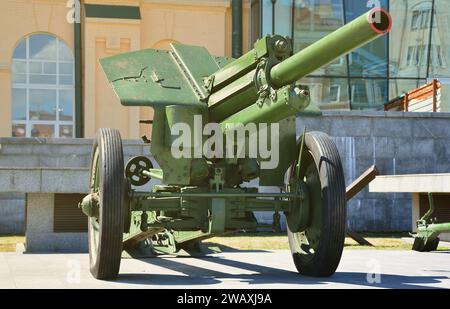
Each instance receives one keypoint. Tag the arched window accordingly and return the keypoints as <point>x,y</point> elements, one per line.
<point>42,88</point>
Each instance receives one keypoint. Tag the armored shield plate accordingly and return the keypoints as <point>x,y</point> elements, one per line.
<point>153,77</point>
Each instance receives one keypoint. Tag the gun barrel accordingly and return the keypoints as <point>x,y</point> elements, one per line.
<point>361,31</point>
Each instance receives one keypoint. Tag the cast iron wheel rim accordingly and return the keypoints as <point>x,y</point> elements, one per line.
<point>107,181</point>
<point>93,224</point>
<point>133,170</point>
<point>322,173</point>
<point>306,242</point>
<point>127,206</point>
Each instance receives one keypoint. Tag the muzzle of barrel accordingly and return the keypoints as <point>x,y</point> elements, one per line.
<point>357,33</point>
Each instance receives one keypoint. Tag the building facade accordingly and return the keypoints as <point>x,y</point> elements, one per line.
<point>51,84</point>
<point>416,51</point>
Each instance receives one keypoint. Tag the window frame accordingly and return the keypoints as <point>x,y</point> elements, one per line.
<point>337,98</point>
<point>57,87</point>
<point>416,19</point>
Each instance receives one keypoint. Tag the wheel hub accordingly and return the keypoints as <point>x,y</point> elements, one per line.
<point>298,215</point>
<point>134,170</point>
<point>90,205</point>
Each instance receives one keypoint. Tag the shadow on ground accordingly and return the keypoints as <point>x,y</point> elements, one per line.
<point>194,275</point>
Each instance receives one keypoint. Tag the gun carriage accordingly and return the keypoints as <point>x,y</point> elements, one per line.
<point>200,196</point>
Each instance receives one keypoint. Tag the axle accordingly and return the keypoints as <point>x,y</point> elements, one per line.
<point>145,195</point>
<point>172,201</point>
<point>166,209</point>
<point>434,228</point>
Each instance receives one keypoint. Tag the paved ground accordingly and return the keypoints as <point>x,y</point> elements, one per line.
<point>255,269</point>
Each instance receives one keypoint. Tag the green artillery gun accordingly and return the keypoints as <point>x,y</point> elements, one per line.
<point>427,237</point>
<point>203,194</point>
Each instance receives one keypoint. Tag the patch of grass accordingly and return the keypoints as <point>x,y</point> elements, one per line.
<point>384,243</point>
<point>8,243</point>
<point>267,241</point>
<point>253,241</point>
<point>279,241</point>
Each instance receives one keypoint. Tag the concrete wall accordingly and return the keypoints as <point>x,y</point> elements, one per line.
<point>39,230</point>
<point>12,214</point>
<point>397,143</point>
<point>35,153</point>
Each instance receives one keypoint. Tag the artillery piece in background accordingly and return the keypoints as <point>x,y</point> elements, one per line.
<point>199,197</point>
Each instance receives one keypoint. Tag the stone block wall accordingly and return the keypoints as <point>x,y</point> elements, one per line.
<point>397,143</point>
<point>35,153</point>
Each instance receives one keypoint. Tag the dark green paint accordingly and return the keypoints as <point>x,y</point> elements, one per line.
<point>427,236</point>
<point>237,23</point>
<point>202,197</point>
<point>112,11</point>
<point>79,119</point>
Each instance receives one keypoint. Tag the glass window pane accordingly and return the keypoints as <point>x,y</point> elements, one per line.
<point>369,93</point>
<point>49,68</point>
<point>425,22</point>
<point>64,52</point>
<point>66,102</point>
<point>19,130</point>
<point>19,104</point>
<point>266,17</point>
<point>66,68</point>
<point>19,67</point>
<point>42,79</point>
<point>445,95</point>
<point>21,50</point>
<point>19,78</point>
<point>313,20</point>
<point>440,46</point>
<point>409,38</point>
<point>35,67</point>
<point>42,104</point>
<point>328,93</point>
<point>43,47</point>
<point>43,130</point>
<point>415,20</point>
<point>399,87</point>
<point>42,72</point>
<point>283,17</point>
<point>66,79</point>
<point>66,131</point>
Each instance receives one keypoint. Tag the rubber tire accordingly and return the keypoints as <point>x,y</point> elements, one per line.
<point>420,246</point>
<point>332,236</point>
<point>106,265</point>
<point>432,245</point>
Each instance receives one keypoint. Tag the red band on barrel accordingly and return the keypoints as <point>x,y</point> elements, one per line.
<point>383,11</point>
